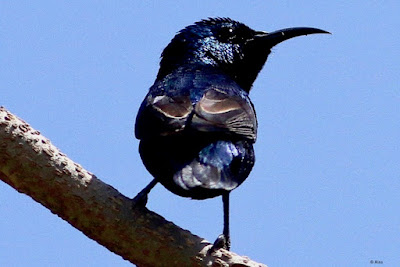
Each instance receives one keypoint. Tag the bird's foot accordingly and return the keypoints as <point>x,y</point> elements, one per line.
<point>140,200</point>
<point>221,242</point>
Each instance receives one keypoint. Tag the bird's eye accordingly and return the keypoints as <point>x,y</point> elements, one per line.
<point>225,34</point>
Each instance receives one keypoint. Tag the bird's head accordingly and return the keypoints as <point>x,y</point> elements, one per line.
<point>231,46</point>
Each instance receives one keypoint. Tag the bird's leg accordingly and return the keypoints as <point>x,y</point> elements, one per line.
<point>224,240</point>
<point>141,198</point>
<point>225,201</point>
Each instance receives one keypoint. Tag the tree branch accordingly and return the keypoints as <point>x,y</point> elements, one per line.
<point>33,166</point>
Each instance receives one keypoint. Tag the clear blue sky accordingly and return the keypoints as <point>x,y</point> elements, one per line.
<point>325,190</point>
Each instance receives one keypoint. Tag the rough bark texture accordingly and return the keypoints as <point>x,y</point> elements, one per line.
<point>33,166</point>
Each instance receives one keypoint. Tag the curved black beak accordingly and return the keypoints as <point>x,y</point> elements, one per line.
<point>276,37</point>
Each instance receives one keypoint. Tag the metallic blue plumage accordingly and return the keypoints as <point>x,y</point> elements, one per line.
<point>197,125</point>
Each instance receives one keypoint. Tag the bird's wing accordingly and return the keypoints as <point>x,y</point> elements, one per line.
<point>202,103</point>
<point>216,111</point>
<point>222,111</point>
<point>162,115</point>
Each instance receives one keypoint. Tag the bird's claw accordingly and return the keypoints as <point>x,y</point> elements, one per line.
<point>140,200</point>
<point>220,242</point>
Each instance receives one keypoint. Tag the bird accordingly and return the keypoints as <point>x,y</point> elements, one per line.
<point>197,125</point>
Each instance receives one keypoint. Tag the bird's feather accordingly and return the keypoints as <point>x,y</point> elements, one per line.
<point>218,111</point>
<point>192,103</point>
